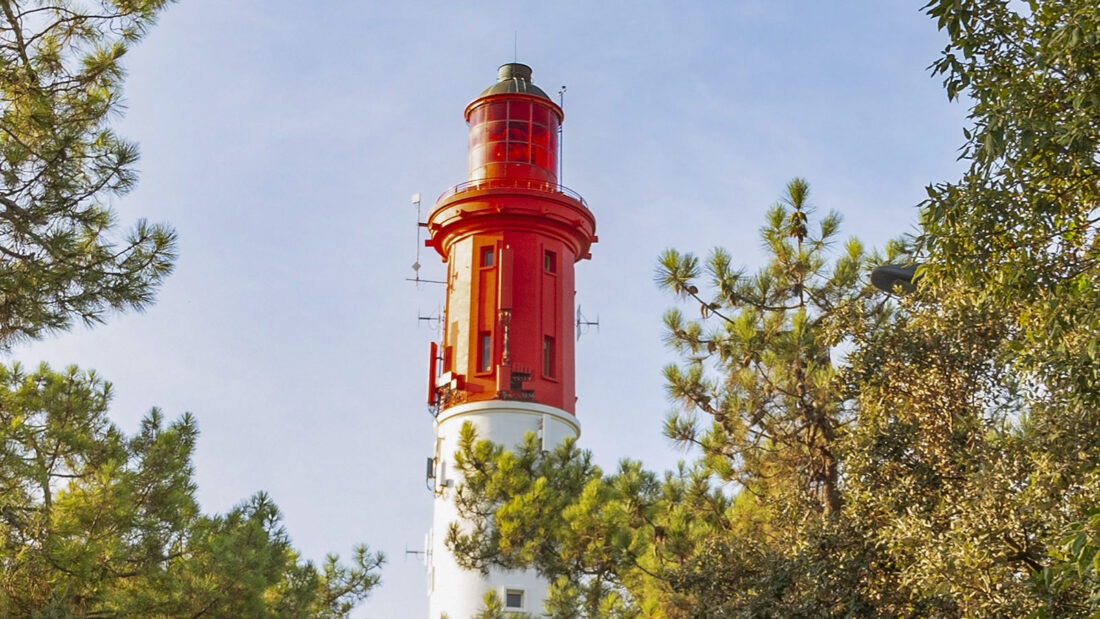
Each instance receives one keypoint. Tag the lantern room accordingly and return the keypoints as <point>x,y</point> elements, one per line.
<point>513,129</point>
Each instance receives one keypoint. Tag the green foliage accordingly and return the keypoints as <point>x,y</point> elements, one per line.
<point>602,539</point>
<point>1020,227</point>
<point>494,609</point>
<point>95,523</point>
<point>92,522</point>
<point>1073,577</point>
<point>60,85</point>
<point>940,475</point>
<point>1017,239</point>
<point>949,495</point>
<point>931,456</point>
<point>760,363</point>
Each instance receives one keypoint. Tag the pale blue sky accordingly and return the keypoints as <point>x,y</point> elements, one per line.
<point>283,140</point>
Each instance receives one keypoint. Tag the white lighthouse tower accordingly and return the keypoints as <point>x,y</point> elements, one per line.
<point>510,236</point>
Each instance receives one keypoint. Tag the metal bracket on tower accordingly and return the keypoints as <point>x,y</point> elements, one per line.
<point>434,320</point>
<point>429,474</point>
<point>515,388</point>
<point>544,427</point>
<point>583,324</point>
<point>417,553</point>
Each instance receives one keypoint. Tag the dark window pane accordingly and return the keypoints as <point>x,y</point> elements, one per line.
<point>519,152</point>
<point>540,157</point>
<point>484,351</point>
<point>548,356</point>
<point>498,110</point>
<point>513,598</point>
<point>518,130</point>
<point>540,136</point>
<point>477,115</point>
<point>496,131</point>
<point>519,110</point>
<point>541,115</point>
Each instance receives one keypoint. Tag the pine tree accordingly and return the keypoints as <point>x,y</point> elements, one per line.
<point>760,363</point>
<point>96,523</point>
<point>61,164</point>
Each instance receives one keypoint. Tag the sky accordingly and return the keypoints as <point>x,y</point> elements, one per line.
<point>284,140</point>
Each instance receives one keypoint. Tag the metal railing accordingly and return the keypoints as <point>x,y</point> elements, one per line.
<point>512,183</point>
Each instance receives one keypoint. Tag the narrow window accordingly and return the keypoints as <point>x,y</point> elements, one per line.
<point>550,261</point>
<point>487,255</point>
<point>548,356</point>
<point>484,351</point>
<point>513,599</point>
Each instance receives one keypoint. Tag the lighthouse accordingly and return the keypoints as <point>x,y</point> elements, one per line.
<point>509,237</point>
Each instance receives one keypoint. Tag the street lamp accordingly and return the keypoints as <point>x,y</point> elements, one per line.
<point>892,277</point>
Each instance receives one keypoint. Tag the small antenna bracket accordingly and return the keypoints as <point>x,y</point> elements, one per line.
<point>583,324</point>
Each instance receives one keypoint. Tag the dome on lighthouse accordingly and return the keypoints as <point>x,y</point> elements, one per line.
<point>514,77</point>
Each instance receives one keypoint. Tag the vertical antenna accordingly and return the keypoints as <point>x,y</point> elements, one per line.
<point>515,46</point>
<point>416,265</point>
<point>561,136</point>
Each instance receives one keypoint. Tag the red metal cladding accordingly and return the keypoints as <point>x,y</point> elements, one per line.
<point>433,371</point>
<point>510,236</point>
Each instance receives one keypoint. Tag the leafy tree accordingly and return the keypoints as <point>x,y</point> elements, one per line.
<point>1020,228</point>
<point>1017,236</point>
<point>95,523</point>
<point>1022,221</point>
<point>60,84</point>
<point>940,477</point>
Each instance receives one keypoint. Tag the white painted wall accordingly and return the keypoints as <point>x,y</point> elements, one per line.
<point>459,593</point>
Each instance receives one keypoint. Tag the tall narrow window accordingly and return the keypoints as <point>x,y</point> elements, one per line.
<point>550,261</point>
<point>487,255</point>
<point>548,356</point>
<point>484,351</point>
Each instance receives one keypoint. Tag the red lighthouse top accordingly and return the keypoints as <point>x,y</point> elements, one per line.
<point>510,236</point>
<point>513,129</point>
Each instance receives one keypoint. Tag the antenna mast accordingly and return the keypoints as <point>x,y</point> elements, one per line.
<point>416,265</point>
<point>561,136</point>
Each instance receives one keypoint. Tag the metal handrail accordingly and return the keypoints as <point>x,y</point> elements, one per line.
<point>511,183</point>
